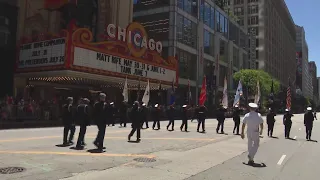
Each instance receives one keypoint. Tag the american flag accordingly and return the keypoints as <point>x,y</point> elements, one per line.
<point>289,96</point>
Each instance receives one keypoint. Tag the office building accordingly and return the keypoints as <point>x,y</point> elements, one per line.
<point>8,29</point>
<point>303,76</point>
<point>201,36</point>
<point>272,25</point>
<point>313,73</point>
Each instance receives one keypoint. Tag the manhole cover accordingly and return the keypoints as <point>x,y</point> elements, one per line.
<point>11,170</point>
<point>145,159</point>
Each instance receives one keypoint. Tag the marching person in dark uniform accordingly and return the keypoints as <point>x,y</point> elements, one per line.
<point>315,115</point>
<point>170,115</point>
<point>83,117</point>
<point>144,115</point>
<point>270,121</point>
<point>124,114</point>
<point>156,112</point>
<point>136,121</point>
<point>184,118</point>
<point>68,122</point>
<point>220,118</point>
<point>111,113</point>
<point>236,119</point>
<point>100,120</point>
<point>202,111</point>
<point>287,123</point>
<point>308,122</point>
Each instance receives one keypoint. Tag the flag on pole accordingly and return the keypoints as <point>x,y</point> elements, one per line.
<point>146,95</point>
<point>203,92</point>
<point>172,96</point>
<point>138,92</point>
<point>289,96</point>
<point>258,94</point>
<point>238,94</point>
<point>125,91</point>
<point>189,93</point>
<point>225,93</point>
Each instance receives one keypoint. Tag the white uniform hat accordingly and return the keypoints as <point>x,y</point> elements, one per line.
<point>309,108</point>
<point>184,106</point>
<point>86,99</point>
<point>102,95</point>
<point>236,106</point>
<point>111,103</point>
<point>253,105</point>
<point>70,98</point>
<point>143,104</point>
<point>156,105</point>
<point>270,109</point>
<point>287,110</point>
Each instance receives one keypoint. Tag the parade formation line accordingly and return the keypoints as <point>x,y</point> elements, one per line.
<point>77,154</point>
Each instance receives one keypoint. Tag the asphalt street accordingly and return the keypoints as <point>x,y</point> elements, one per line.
<point>167,155</point>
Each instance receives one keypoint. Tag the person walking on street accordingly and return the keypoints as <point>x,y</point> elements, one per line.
<point>68,122</point>
<point>220,118</point>
<point>270,122</point>
<point>202,113</point>
<point>236,119</point>
<point>170,115</point>
<point>184,118</point>
<point>308,122</point>
<point>123,114</point>
<point>100,120</point>
<point>287,123</point>
<point>83,117</point>
<point>254,123</point>
<point>136,121</point>
<point>144,116</point>
<point>156,116</point>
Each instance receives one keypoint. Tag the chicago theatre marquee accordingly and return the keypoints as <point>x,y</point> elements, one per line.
<point>74,61</point>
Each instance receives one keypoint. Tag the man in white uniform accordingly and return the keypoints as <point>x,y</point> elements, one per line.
<point>253,121</point>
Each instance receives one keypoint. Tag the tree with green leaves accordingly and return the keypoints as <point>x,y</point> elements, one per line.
<point>249,78</point>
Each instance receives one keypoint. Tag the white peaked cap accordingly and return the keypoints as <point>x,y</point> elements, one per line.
<point>287,110</point>
<point>111,103</point>
<point>86,99</point>
<point>269,108</point>
<point>309,108</point>
<point>70,98</point>
<point>143,104</point>
<point>236,106</point>
<point>156,105</point>
<point>184,106</point>
<point>102,95</point>
<point>253,105</point>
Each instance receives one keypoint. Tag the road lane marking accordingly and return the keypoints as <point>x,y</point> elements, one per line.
<point>51,137</point>
<point>295,137</point>
<point>182,139</point>
<point>77,154</point>
<point>281,159</point>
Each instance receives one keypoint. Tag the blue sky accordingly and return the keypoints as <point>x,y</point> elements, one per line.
<point>304,14</point>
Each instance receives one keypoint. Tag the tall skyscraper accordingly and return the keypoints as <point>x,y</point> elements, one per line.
<point>313,73</point>
<point>273,27</point>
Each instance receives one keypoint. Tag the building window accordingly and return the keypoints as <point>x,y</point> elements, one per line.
<point>222,74</point>
<point>238,2</point>
<point>208,43</point>
<point>139,5</point>
<point>238,11</point>
<point>235,57</point>
<point>207,14</point>
<point>255,30</point>
<point>253,20</point>
<point>226,27</point>
<point>257,42</point>
<point>189,6</point>
<point>223,51</point>
<point>218,21</point>
<point>253,9</point>
<point>186,31</point>
<point>186,60</point>
<point>252,1</point>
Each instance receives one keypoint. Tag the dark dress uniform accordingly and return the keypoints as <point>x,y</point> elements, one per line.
<point>184,119</point>
<point>308,122</point>
<point>170,115</point>
<point>220,118</point>
<point>236,120</point>
<point>201,115</point>
<point>100,120</point>
<point>136,122</point>
<point>83,117</point>
<point>270,122</point>
<point>144,116</point>
<point>111,114</point>
<point>287,124</point>
<point>68,123</point>
<point>156,112</point>
<point>124,114</point>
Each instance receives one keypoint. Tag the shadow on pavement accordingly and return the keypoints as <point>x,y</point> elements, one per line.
<point>256,165</point>
<point>313,140</point>
<point>95,151</point>
<point>63,145</point>
<point>274,137</point>
<point>292,139</point>
<point>133,141</point>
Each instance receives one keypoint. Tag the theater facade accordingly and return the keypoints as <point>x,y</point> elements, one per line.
<point>73,63</point>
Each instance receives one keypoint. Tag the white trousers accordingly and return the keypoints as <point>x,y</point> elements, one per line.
<point>253,143</point>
